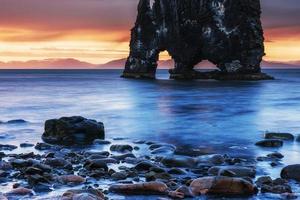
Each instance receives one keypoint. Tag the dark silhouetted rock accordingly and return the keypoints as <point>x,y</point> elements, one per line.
<point>227,33</point>
<point>24,145</point>
<point>72,131</point>
<point>291,172</point>
<point>270,143</point>
<point>16,121</point>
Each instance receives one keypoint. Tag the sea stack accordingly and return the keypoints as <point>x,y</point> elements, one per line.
<point>227,33</point>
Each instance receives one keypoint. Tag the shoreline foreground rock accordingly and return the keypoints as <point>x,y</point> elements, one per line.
<point>229,34</point>
<point>74,130</point>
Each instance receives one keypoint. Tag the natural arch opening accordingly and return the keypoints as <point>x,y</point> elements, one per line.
<point>205,66</point>
<point>165,61</point>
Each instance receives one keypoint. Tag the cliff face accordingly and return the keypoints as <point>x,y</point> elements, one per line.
<point>228,33</point>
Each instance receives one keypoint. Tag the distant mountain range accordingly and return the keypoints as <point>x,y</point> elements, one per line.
<point>70,63</point>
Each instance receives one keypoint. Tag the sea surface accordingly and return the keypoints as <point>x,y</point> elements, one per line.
<point>220,116</point>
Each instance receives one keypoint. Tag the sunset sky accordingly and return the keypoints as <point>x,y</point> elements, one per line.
<point>97,31</point>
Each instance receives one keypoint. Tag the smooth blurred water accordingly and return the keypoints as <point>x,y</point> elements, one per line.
<point>221,116</point>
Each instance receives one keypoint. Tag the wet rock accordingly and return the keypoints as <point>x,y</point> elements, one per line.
<point>178,161</point>
<point>121,148</point>
<point>275,155</point>
<point>72,131</point>
<point>144,166</point>
<point>119,176</point>
<point>264,180</point>
<point>20,163</point>
<point>222,186</point>
<point>95,164</point>
<point>59,163</point>
<point>123,156</point>
<point>101,142</point>
<point>280,136</point>
<point>152,176</point>
<point>25,145</point>
<point>225,172</point>
<point>16,121</point>
<point>215,159</point>
<point>276,189</point>
<point>89,194</point>
<point>154,188</point>
<point>239,171</point>
<point>71,179</point>
<point>277,186</point>
<point>20,192</point>
<point>43,146</point>
<point>43,167</point>
<point>139,142</point>
<point>176,171</point>
<point>36,179</point>
<point>97,155</point>
<point>270,143</point>
<point>291,172</point>
<point>7,147</point>
<point>33,170</point>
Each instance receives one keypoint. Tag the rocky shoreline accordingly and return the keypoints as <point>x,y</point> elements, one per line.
<point>127,167</point>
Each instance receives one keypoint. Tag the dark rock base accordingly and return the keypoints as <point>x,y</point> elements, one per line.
<point>218,75</point>
<point>138,75</point>
<point>194,75</point>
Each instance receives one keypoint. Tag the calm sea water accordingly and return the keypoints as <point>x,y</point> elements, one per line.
<point>220,116</point>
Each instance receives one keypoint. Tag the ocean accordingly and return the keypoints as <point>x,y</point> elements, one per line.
<point>220,116</point>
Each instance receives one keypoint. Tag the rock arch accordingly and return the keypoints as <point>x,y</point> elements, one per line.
<point>228,33</point>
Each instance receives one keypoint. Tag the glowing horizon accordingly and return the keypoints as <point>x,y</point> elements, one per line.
<point>99,31</point>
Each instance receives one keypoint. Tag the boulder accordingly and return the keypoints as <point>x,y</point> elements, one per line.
<point>21,191</point>
<point>270,143</point>
<point>119,176</point>
<point>72,131</point>
<point>280,136</point>
<point>154,188</point>
<point>89,194</point>
<point>144,166</point>
<point>121,148</point>
<point>95,164</point>
<point>291,172</point>
<point>222,186</point>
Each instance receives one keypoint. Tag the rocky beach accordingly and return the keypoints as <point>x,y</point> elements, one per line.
<point>62,167</point>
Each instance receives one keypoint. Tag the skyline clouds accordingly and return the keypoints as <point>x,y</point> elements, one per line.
<point>100,29</point>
